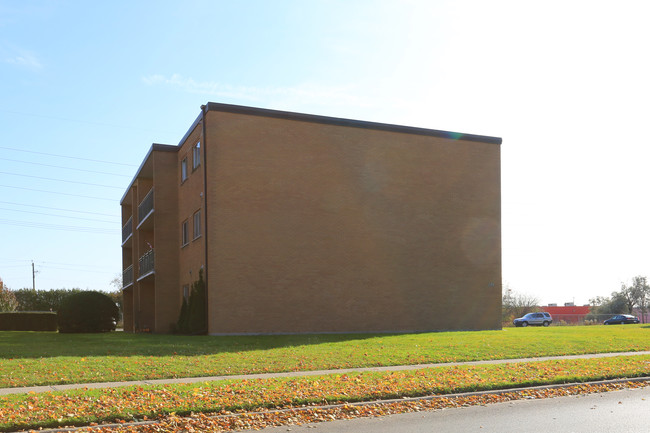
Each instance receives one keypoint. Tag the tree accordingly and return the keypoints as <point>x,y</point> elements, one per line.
<point>117,295</point>
<point>116,282</point>
<point>640,294</point>
<point>515,305</point>
<point>8,301</point>
<point>628,293</point>
<point>602,306</point>
<point>197,307</point>
<point>42,300</point>
<point>193,318</point>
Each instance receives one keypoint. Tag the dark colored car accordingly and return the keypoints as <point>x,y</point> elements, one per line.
<point>539,319</point>
<point>621,319</point>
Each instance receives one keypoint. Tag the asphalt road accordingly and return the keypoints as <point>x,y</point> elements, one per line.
<point>610,412</point>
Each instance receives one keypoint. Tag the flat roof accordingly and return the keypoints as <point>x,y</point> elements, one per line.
<point>288,115</point>
<point>339,121</point>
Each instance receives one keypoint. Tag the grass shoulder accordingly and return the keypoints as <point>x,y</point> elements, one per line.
<point>33,358</point>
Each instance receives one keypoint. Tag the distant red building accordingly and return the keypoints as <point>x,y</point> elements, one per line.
<point>567,313</point>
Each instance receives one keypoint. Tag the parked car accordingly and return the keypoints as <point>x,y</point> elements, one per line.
<point>621,319</point>
<point>538,319</point>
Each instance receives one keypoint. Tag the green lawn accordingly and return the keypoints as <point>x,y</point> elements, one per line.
<point>83,407</point>
<point>28,358</point>
<point>32,358</point>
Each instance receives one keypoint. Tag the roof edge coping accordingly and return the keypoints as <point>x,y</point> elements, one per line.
<point>278,114</point>
<point>154,147</point>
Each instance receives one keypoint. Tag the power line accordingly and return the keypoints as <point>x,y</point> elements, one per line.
<point>71,264</point>
<point>59,193</point>
<point>46,264</point>
<point>14,266</point>
<point>56,208</point>
<point>69,157</point>
<point>76,270</point>
<point>58,216</point>
<point>65,168</point>
<point>80,121</point>
<point>60,180</point>
<point>58,227</point>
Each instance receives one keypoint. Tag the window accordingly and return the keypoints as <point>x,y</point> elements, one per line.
<point>186,292</point>
<point>196,155</point>
<point>184,170</point>
<point>197,224</point>
<point>185,233</point>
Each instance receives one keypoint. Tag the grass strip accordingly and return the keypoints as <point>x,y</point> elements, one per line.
<point>84,407</point>
<point>316,414</point>
<point>32,358</point>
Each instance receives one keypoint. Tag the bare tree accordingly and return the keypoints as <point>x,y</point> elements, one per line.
<point>117,282</point>
<point>640,294</point>
<point>516,304</point>
<point>628,293</point>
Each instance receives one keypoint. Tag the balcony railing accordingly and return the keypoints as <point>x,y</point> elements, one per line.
<point>127,277</point>
<point>127,230</point>
<point>145,207</point>
<point>146,263</point>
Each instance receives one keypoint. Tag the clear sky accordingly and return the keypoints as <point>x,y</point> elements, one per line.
<point>87,86</point>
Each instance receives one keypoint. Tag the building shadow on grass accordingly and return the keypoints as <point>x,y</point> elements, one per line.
<point>15,344</point>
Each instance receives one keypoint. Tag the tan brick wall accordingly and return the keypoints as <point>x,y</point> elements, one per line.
<point>190,200</point>
<point>166,191</point>
<point>324,228</point>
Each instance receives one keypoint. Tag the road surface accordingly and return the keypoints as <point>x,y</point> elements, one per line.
<point>609,412</point>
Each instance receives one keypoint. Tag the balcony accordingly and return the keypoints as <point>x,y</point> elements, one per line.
<point>146,265</point>
<point>145,208</point>
<point>127,231</point>
<point>127,277</point>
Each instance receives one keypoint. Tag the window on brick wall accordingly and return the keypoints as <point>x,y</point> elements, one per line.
<point>183,169</point>
<point>197,225</point>
<point>196,155</point>
<point>185,233</point>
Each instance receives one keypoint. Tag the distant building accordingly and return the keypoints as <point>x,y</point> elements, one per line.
<point>313,224</point>
<point>569,313</point>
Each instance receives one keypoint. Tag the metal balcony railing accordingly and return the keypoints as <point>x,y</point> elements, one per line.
<point>127,230</point>
<point>145,207</point>
<point>127,277</point>
<point>146,263</point>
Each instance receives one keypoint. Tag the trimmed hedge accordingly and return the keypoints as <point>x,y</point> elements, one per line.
<point>88,312</point>
<point>28,321</point>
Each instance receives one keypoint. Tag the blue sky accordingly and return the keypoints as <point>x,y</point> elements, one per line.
<point>90,85</point>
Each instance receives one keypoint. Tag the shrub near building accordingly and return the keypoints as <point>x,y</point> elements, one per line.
<point>88,312</point>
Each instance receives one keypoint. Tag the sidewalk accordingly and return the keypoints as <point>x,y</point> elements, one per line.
<point>48,388</point>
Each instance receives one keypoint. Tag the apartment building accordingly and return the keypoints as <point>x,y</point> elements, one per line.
<point>311,224</point>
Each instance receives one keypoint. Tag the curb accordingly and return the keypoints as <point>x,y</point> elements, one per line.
<point>368,403</point>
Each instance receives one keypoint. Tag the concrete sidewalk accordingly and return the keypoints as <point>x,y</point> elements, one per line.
<point>48,388</point>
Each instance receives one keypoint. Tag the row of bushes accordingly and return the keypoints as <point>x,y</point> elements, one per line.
<point>28,321</point>
<point>78,312</point>
<point>49,300</point>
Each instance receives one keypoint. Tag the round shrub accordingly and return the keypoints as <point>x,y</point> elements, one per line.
<point>88,312</point>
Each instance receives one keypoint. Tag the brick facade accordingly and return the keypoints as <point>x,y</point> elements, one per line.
<point>314,224</point>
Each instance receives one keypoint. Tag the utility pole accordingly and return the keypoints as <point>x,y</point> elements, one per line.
<point>33,277</point>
